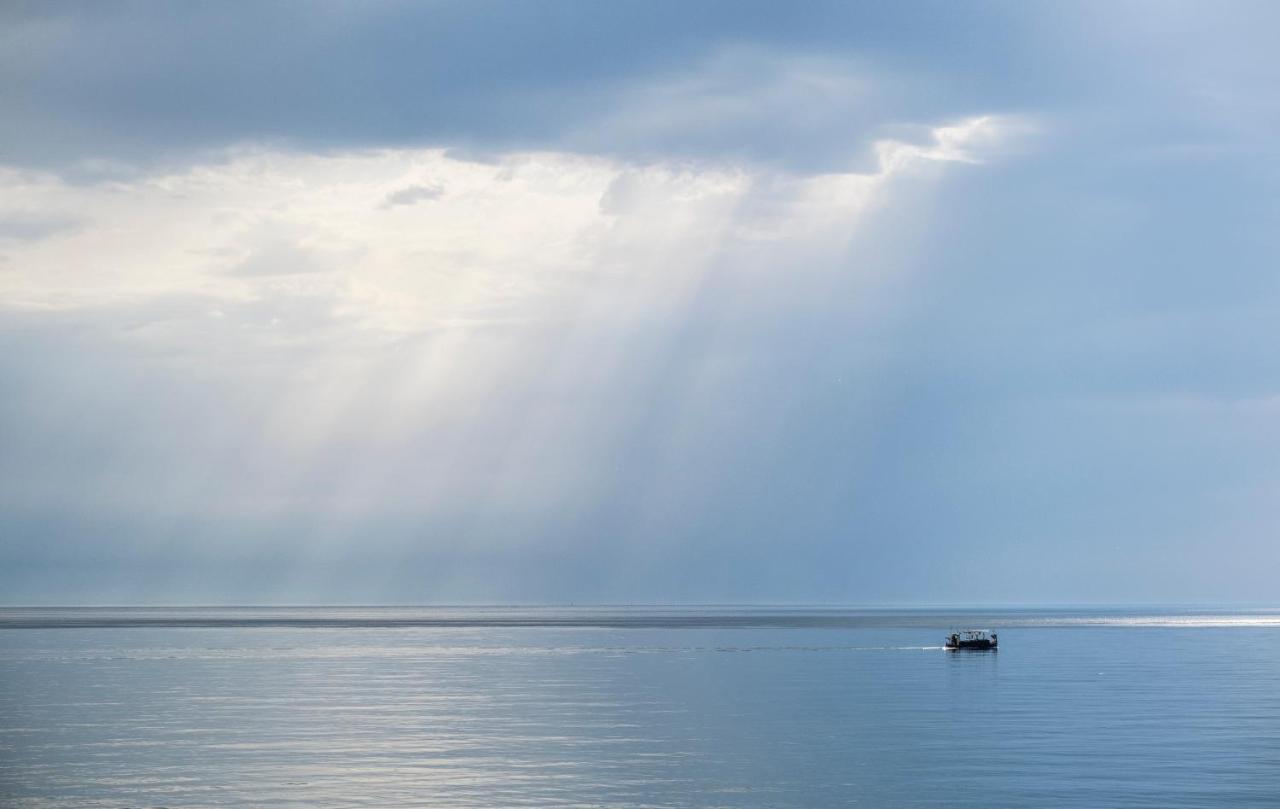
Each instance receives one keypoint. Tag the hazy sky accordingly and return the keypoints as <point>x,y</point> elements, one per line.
<point>455,302</point>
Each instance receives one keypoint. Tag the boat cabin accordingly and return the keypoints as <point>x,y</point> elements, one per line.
<point>972,639</point>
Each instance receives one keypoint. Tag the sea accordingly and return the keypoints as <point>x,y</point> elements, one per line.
<point>707,706</point>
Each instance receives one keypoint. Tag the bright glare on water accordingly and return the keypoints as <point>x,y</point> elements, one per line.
<point>631,708</point>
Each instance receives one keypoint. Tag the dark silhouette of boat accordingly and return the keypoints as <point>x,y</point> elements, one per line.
<point>972,639</point>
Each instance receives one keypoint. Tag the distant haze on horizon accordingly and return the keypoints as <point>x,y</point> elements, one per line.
<point>639,302</point>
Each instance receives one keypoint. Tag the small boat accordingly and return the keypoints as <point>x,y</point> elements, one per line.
<point>972,639</point>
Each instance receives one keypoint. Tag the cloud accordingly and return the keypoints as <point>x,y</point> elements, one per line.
<point>270,223</point>
<point>278,256</point>
<point>412,195</point>
<point>744,104</point>
<point>541,346</point>
<point>27,226</point>
<point>103,89</point>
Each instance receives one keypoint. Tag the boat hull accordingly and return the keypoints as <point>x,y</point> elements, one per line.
<point>978,645</point>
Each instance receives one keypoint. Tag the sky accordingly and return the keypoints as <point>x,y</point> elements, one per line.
<point>639,302</point>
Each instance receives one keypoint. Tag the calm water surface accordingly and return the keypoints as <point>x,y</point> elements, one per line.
<point>629,708</point>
